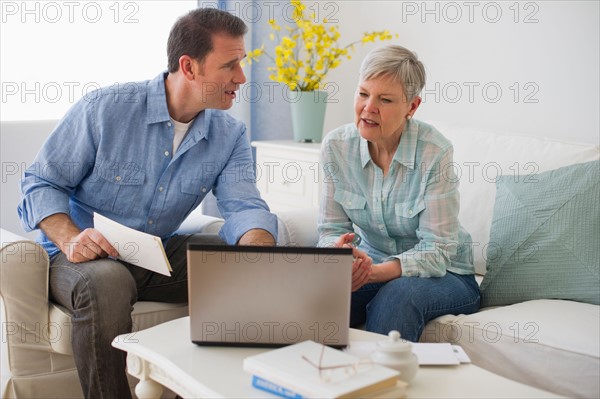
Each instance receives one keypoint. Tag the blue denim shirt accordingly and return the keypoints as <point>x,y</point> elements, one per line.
<point>410,214</point>
<point>112,154</point>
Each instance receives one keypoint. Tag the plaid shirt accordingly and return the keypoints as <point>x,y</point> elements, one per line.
<point>410,214</point>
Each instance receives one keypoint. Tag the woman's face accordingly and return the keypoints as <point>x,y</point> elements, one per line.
<point>381,108</point>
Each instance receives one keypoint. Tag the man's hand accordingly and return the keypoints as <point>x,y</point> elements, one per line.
<point>88,245</point>
<point>257,237</point>
<point>78,246</point>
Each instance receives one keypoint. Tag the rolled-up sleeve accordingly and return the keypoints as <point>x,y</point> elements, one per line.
<point>238,198</point>
<point>333,220</point>
<point>39,202</point>
<point>438,225</point>
<point>63,161</point>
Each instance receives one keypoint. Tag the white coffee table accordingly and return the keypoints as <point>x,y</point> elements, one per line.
<point>165,356</point>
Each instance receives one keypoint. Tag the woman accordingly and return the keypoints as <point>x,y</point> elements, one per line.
<point>389,180</point>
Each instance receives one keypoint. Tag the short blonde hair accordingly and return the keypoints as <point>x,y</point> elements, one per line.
<point>399,63</point>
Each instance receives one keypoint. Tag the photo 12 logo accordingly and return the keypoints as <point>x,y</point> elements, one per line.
<point>255,11</point>
<point>270,92</point>
<point>490,331</point>
<point>53,12</point>
<point>269,332</point>
<point>453,12</point>
<point>488,92</point>
<point>54,92</point>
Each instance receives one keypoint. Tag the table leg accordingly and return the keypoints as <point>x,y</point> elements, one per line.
<point>148,389</point>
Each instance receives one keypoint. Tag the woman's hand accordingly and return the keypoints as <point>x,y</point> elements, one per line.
<point>362,265</point>
<point>361,268</point>
<point>345,240</point>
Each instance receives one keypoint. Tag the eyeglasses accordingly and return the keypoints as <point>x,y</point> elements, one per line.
<point>341,371</point>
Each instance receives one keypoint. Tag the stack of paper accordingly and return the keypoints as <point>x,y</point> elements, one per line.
<point>310,370</point>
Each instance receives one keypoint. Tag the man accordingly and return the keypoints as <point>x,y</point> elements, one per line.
<point>145,156</point>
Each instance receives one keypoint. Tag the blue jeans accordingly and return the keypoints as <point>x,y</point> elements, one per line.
<point>100,295</point>
<point>406,304</point>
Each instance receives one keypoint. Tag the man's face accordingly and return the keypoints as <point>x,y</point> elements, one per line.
<point>220,75</point>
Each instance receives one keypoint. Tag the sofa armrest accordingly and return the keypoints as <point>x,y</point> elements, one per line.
<point>196,222</point>
<point>298,227</point>
<point>24,292</point>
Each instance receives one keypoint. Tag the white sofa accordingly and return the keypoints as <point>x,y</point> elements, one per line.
<point>547,343</point>
<point>550,344</point>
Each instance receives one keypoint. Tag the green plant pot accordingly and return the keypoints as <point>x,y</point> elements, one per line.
<point>308,115</point>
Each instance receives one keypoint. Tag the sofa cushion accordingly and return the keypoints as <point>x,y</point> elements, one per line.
<point>145,315</point>
<point>544,237</point>
<point>198,222</point>
<point>298,228</point>
<point>549,344</point>
<point>481,157</point>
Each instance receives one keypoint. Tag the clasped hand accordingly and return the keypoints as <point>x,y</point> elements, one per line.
<point>362,264</point>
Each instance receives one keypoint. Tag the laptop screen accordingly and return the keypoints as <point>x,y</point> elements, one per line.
<point>269,296</point>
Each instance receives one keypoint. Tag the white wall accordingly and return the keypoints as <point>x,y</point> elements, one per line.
<point>54,52</point>
<point>547,54</point>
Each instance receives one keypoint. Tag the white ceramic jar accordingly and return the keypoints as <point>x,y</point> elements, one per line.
<point>397,354</point>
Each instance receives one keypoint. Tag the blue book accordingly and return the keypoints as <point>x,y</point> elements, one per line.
<point>268,386</point>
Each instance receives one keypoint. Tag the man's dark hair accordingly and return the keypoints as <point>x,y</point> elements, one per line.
<point>192,34</point>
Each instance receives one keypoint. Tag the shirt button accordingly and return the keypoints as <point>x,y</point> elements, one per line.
<point>410,211</point>
<point>203,189</point>
<point>118,178</point>
<point>169,124</point>
<point>161,188</point>
<point>150,221</point>
<point>166,153</point>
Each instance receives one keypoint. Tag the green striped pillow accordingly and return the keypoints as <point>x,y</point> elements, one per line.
<point>545,237</point>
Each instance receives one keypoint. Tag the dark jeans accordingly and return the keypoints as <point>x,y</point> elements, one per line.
<point>100,295</point>
<point>406,304</point>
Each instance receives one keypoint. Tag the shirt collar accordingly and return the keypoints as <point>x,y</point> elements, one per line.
<point>365,156</point>
<point>199,129</point>
<point>159,112</point>
<point>157,100</point>
<point>406,151</point>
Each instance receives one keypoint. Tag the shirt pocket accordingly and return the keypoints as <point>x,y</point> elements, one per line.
<point>114,187</point>
<point>407,216</point>
<point>354,204</point>
<point>193,192</point>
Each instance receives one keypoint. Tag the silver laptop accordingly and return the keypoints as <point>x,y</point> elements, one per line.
<point>269,296</point>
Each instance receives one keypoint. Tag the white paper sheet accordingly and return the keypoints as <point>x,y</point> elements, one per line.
<point>135,247</point>
<point>429,354</point>
<point>435,354</point>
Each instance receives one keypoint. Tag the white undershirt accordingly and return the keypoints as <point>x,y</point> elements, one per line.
<point>180,129</point>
